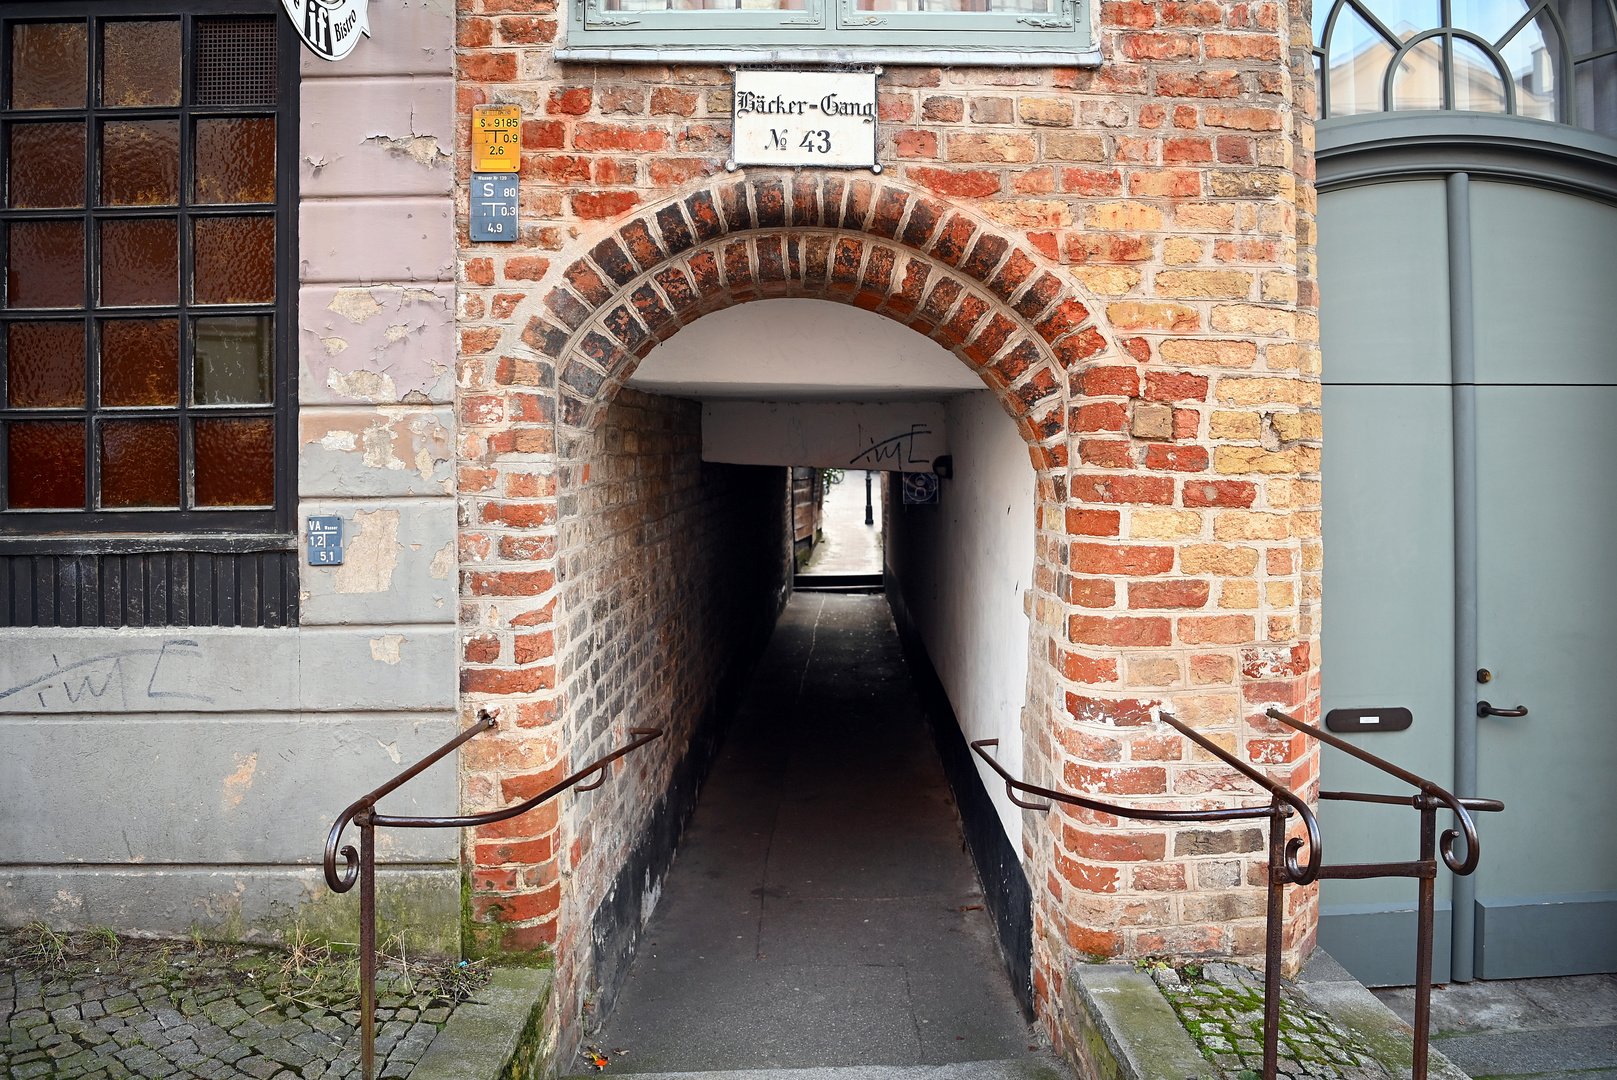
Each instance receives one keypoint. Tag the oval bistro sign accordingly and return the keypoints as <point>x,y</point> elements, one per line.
<point>330,28</point>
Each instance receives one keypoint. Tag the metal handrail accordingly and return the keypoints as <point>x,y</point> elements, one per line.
<point>360,866</point>
<point>1424,870</point>
<point>1284,868</point>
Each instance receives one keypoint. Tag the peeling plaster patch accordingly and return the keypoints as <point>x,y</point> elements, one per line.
<point>338,440</point>
<point>386,649</point>
<point>443,561</point>
<point>355,305</point>
<point>237,783</point>
<point>372,555</point>
<point>424,296</point>
<point>396,331</point>
<point>333,345</point>
<point>392,748</point>
<point>421,149</point>
<point>316,165</point>
<point>364,385</point>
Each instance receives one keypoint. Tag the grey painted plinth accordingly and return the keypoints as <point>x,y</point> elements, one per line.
<point>500,1034</point>
<point>1331,987</point>
<point>1128,1029</point>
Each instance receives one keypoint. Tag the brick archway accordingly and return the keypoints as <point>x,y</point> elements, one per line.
<point>878,245</point>
<point>541,584</point>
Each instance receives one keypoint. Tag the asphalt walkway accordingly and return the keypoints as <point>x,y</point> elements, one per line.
<point>822,910</point>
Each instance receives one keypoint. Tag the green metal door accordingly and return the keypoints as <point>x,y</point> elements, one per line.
<point>1546,370</point>
<point>1543,279</point>
<point>1388,635</point>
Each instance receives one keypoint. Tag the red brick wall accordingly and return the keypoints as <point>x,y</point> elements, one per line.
<point>634,590</point>
<point>1167,381</point>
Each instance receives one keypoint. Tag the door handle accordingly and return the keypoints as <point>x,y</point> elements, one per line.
<point>1484,709</point>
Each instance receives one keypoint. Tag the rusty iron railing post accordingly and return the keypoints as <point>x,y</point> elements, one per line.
<point>1429,799</point>
<point>1274,942</point>
<point>360,867</point>
<point>1425,931</point>
<point>367,947</point>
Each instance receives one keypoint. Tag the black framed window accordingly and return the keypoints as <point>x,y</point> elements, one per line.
<point>146,329</point>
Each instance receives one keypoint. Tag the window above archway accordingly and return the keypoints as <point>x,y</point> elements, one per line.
<point>1550,60</point>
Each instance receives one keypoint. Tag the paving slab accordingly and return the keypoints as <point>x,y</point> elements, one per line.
<point>1523,1027</point>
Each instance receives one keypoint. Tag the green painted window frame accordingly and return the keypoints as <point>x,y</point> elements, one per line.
<point>828,29</point>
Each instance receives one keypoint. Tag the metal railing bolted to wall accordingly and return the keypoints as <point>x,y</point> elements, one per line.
<point>1284,869</point>
<point>361,865</point>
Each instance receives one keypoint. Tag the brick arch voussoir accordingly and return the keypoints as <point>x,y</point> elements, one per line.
<point>1025,327</point>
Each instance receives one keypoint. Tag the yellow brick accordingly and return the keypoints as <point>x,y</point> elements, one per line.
<point>1136,315</point>
<point>1280,494</point>
<point>1308,361</point>
<point>1240,594</point>
<point>1251,459</point>
<point>1237,390</point>
<point>1305,523</point>
<point>1281,357</point>
<point>1313,557</point>
<point>1236,425</point>
<point>1213,284</point>
<point>1199,352</point>
<point>1281,287</point>
<point>1046,112</point>
<point>1179,250</point>
<point>1207,710</point>
<point>1280,594</point>
<point>1307,327</point>
<point>1217,559</point>
<point>1293,426</point>
<point>1071,146</point>
<point>1165,524</point>
<point>1251,525</point>
<point>1219,216</point>
<point>1306,492</point>
<point>1125,215</point>
<point>1030,213</point>
<point>1152,671</point>
<point>1251,319</point>
<point>1108,280</point>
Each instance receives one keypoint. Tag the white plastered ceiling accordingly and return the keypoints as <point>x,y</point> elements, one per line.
<point>802,350</point>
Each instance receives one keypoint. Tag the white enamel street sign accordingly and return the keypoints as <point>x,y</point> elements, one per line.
<point>825,118</point>
<point>330,28</point>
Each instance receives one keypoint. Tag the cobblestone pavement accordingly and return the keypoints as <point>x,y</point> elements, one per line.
<point>99,1008</point>
<point>1221,1005</point>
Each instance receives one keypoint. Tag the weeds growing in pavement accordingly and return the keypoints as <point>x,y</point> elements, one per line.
<point>44,945</point>
<point>108,937</point>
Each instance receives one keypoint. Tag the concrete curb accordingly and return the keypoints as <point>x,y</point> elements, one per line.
<point>1128,1029</point>
<point>1012,1069</point>
<point>1332,988</point>
<point>498,1035</point>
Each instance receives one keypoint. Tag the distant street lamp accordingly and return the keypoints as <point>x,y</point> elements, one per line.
<point>870,517</point>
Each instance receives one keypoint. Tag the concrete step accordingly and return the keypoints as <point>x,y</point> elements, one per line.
<point>838,583</point>
<point>1010,1069</point>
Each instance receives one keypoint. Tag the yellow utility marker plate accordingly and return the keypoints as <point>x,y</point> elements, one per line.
<point>496,138</point>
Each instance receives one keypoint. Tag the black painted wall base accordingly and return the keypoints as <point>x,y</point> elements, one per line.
<point>999,865</point>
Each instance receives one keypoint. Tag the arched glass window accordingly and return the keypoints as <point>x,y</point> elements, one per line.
<point>1547,59</point>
